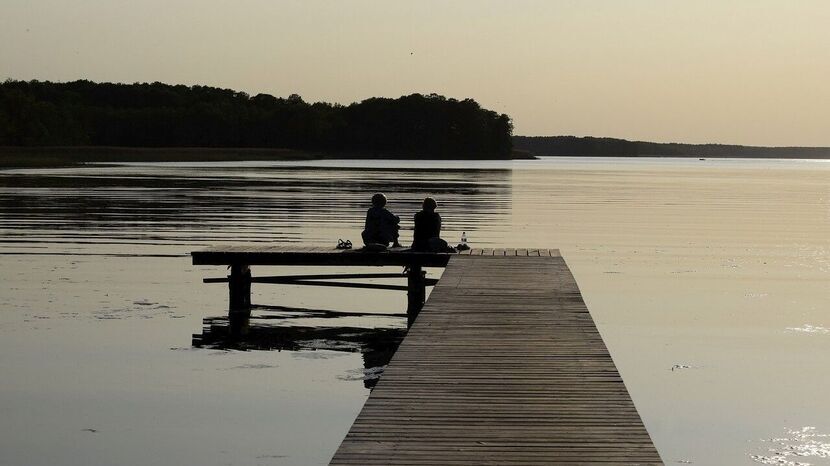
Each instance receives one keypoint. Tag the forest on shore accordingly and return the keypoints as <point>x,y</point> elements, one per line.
<point>609,147</point>
<point>49,123</point>
<point>156,115</point>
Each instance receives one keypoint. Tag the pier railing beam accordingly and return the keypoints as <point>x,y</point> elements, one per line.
<point>416,293</point>
<point>239,289</point>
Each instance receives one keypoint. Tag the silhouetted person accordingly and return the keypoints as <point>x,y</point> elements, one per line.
<point>427,235</point>
<point>381,225</point>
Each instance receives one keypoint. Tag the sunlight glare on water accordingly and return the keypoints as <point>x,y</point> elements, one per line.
<point>799,448</point>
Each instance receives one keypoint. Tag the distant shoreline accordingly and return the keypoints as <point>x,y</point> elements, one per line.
<point>65,156</point>
<point>573,146</point>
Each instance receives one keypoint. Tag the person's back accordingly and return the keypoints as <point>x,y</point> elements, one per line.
<point>381,226</point>
<point>427,227</point>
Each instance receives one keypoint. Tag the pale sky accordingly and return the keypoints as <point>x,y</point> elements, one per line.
<point>728,71</point>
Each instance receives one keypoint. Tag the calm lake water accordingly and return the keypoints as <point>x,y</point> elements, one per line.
<point>707,279</point>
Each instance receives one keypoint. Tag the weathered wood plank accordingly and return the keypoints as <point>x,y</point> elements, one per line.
<point>504,365</point>
<point>293,255</point>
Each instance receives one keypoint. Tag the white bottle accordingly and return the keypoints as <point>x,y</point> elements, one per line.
<point>464,238</point>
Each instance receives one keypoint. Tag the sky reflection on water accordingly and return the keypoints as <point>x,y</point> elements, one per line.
<point>116,353</point>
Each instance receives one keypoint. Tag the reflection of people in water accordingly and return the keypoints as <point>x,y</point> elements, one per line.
<point>381,225</point>
<point>428,229</point>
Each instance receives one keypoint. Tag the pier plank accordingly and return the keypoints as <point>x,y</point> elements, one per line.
<point>503,365</point>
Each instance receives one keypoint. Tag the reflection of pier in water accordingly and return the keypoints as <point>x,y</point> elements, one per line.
<point>277,328</point>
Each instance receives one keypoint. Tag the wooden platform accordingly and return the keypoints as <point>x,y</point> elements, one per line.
<point>504,365</point>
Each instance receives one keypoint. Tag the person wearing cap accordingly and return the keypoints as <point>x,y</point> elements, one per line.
<point>381,225</point>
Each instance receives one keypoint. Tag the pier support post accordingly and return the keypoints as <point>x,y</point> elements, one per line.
<point>416,293</point>
<point>239,289</point>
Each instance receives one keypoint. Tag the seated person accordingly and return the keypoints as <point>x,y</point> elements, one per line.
<point>427,236</point>
<point>381,225</point>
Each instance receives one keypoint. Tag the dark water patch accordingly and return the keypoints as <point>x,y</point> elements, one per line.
<point>266,312</point>
<point>243,333</point>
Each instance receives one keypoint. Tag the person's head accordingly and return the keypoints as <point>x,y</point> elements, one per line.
<point>429,204</point>
<point>378,200</point>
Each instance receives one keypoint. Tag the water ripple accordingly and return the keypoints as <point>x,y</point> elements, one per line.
<point>804,443</point>
<point>807,328</point>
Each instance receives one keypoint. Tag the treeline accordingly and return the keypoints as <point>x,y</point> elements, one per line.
<point>84,113</point>
<point>610,147</point>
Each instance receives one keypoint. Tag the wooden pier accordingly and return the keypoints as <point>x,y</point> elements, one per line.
<point>503,365</point>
